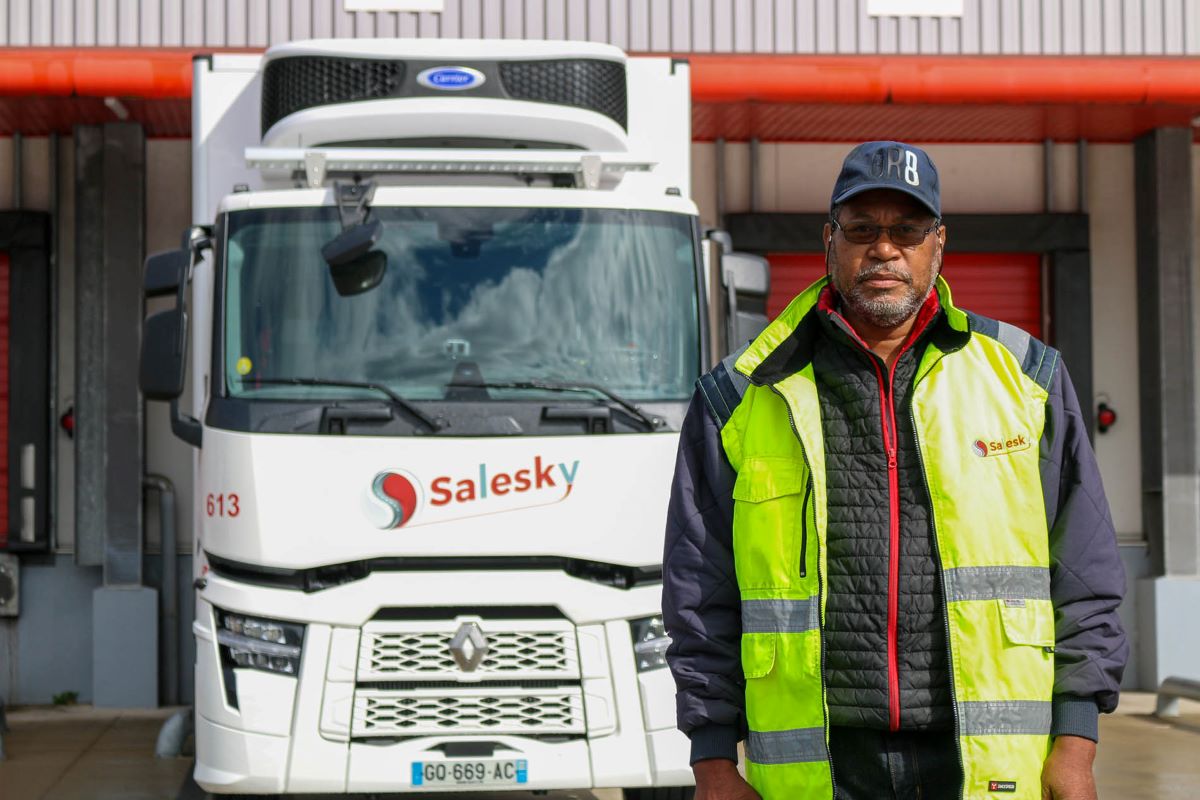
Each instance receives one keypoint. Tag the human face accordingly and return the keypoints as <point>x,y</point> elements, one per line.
<point>882,283</point>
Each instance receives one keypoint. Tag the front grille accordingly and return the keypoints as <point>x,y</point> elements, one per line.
<point>583,83</point>
<point>484,709</point>
<point>298,82</point>
<point>421,650</point>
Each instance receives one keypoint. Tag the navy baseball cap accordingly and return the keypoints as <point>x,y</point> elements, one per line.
<point>889,165</point>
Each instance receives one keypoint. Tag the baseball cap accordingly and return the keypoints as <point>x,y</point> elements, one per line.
<point>889,165</point>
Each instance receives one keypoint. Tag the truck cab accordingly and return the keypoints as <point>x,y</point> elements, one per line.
<point>433,337</point>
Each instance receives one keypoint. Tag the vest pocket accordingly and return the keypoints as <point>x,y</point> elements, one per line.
<point>1027,622</point>
<point>769,522</point>
<point>758,654</point>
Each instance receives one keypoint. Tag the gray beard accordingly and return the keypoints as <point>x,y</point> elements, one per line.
<point>886,312</point>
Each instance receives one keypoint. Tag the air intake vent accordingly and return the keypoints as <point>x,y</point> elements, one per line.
<point>299,82</point>
<point>468,710</point>
<point>583,83</point>
<point>295,83</point>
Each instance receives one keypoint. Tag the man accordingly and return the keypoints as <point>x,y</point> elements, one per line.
<point>890,566</point>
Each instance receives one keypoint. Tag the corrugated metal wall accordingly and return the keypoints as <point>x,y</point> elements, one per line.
<point>991,27</point>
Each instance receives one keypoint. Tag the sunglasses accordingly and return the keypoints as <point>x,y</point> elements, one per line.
<point>905,234</point>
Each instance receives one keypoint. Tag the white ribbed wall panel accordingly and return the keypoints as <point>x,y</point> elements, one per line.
<point>987,27</point>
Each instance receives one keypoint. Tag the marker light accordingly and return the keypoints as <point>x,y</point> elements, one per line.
<point>256,643</point>
<point>650,642</point>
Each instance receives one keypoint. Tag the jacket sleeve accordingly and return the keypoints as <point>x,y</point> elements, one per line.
<point>1087,577</point>
<point>701,605</point>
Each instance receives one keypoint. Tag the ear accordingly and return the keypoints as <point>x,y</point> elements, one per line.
<point>827,235</point>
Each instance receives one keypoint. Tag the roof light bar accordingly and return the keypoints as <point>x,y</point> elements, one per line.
<point>317,164</point>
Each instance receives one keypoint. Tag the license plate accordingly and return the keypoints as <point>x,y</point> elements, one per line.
<point>470,772</point>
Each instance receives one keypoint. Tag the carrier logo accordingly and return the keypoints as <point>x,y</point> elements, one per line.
<point>985,448</point>
<point>396,499</point>
<point>451,79</point>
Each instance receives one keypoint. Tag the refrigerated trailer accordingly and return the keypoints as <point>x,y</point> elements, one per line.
<point>434,332</point>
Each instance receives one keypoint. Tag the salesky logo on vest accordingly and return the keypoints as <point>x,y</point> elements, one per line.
<point>987,448</point>
<point>397,497</point>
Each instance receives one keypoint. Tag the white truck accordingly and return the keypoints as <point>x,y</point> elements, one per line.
<point>447,301</point>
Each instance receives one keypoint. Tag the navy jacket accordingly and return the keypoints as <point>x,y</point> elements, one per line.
<point>701,603</point>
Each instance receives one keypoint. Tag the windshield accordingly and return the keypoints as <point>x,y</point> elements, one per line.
<point>601,296</point>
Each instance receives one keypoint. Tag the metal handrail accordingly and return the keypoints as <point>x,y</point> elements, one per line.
<point>1170,692</point>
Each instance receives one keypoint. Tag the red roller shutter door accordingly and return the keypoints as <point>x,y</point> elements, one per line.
<point>1004,286</point>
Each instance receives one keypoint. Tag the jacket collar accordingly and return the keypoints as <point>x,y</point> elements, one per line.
<point>785,346</point>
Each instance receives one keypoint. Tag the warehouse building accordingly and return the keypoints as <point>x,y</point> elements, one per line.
<point>1064,130</point>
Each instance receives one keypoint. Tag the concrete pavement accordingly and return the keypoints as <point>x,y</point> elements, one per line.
<point>82,753</point>
<point>1144,758</point>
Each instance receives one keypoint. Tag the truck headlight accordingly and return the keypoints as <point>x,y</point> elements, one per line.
<point>650,642</point>
<point>257,643</point>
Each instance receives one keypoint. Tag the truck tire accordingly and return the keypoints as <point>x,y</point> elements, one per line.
<point>662,793</point>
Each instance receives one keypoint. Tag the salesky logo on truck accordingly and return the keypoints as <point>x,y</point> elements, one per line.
<point>540,476</point>
<point>397,497</point>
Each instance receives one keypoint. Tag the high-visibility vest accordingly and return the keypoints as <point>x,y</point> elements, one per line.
<point>978,413</point>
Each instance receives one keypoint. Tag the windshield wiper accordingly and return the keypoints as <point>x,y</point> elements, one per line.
<point>399,402</point>
<point>650,423</point>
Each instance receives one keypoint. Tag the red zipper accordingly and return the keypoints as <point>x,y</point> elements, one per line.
<point>887,419</point>
<point>893,560</point>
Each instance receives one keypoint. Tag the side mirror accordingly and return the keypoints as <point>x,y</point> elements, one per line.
<point>161,374</point>
<point>163,363</point>
<point>747,280</point>
<point>166,272</point>
<point>161,371</point>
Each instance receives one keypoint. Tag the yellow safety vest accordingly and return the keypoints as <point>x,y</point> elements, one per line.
<point>978,414</point>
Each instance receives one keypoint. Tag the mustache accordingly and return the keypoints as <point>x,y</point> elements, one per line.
<point>881,268</point>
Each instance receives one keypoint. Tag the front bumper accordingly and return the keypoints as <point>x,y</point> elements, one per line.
<point>306,734</point>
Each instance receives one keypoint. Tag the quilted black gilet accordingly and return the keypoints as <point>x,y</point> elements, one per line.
<point>858,536</point>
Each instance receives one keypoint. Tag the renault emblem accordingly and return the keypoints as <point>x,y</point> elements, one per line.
<point>468,646</point>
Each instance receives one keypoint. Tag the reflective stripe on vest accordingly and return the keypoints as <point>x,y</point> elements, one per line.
<point>1004,717</point>
<point>780,616</point>
<point>996,583</point>
<point>992,543</point>
<point>787,747</point>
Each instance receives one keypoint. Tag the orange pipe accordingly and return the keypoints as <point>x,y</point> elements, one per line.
<point>159,73</point>
<point>96,72</point>
<point>944,79</point>
<point>787,79</point>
